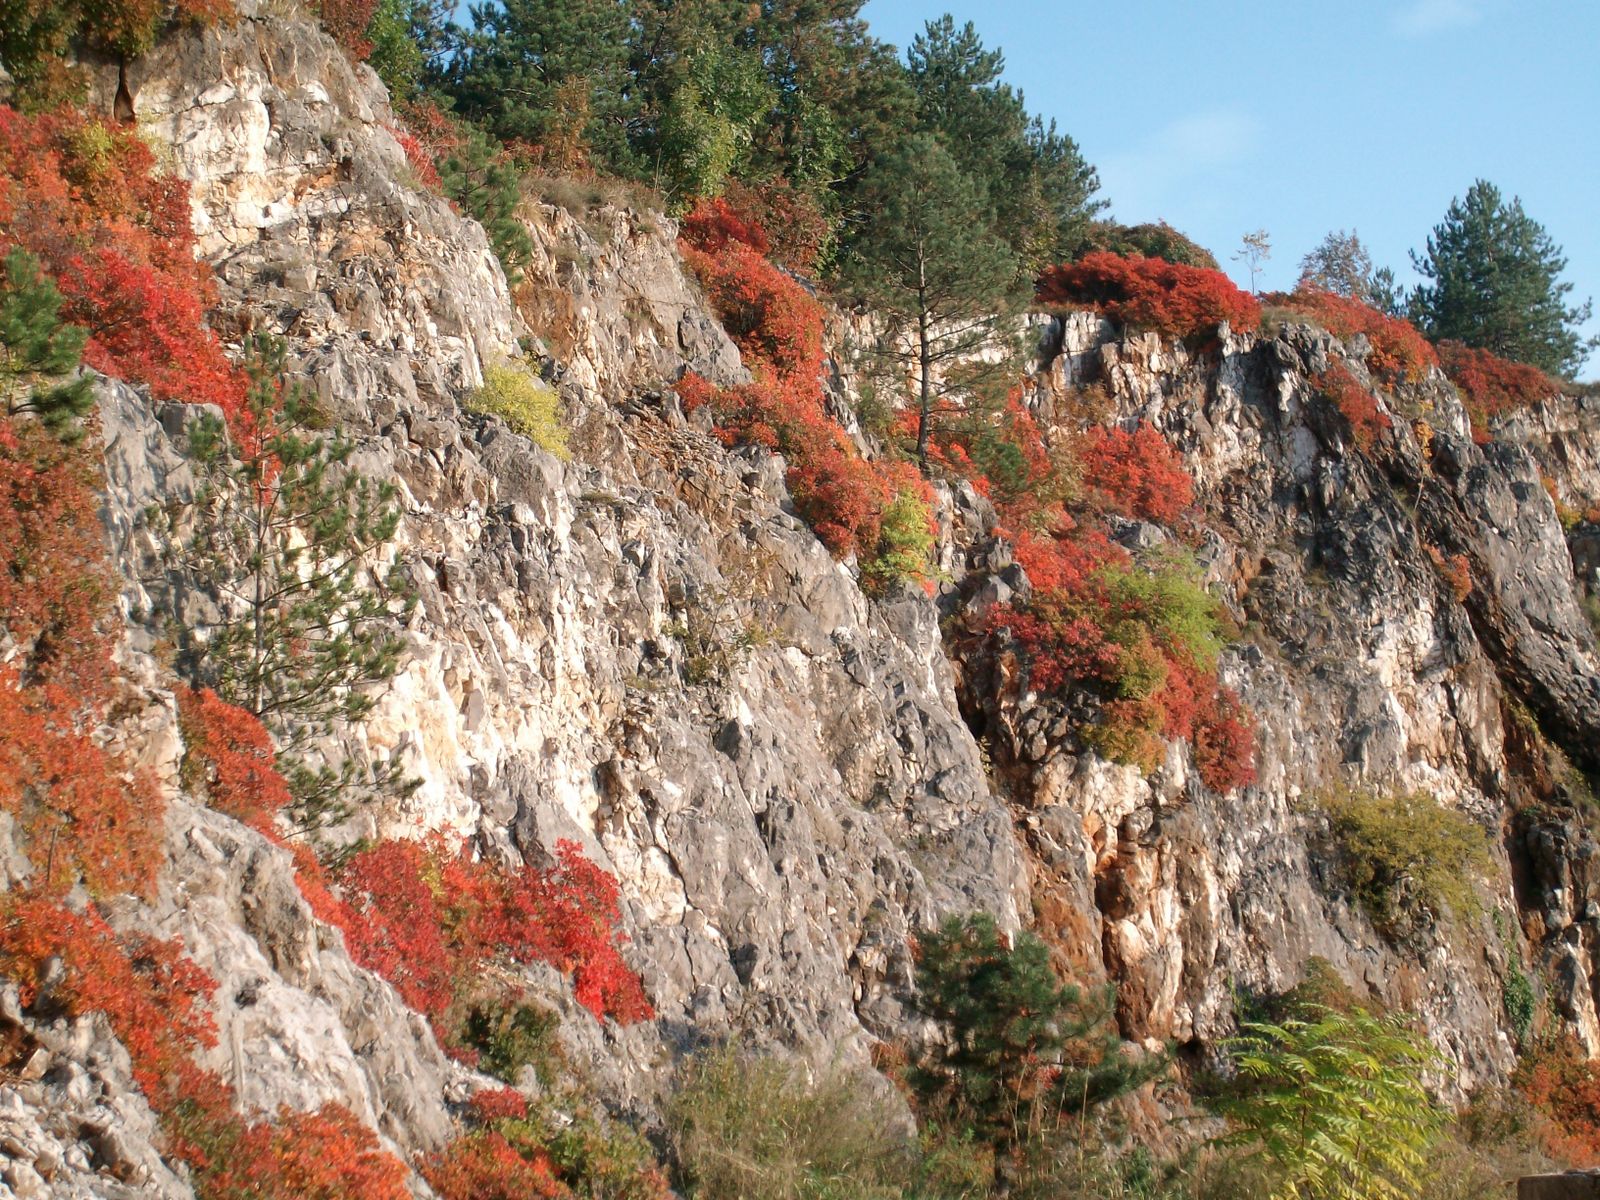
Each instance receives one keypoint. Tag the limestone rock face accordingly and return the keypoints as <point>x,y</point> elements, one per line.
<point>641,648</point>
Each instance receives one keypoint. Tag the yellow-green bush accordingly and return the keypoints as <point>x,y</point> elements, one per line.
<point>527,404</point>
<point>1404,852</point>
<point>905,543</point>
<point>749,1128</point>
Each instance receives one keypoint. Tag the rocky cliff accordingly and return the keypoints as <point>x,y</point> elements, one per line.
<point>643,649</point>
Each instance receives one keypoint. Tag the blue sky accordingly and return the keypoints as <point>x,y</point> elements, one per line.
<point>1304,117</point>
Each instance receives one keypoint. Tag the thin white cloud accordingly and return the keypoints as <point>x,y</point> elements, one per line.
<point>1423,17</point>
<point>1150,179</point>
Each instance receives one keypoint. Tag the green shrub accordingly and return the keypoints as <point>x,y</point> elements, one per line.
<point>749,1128</point>
<point>905,543</point>
<point>1517,996</point>
<point>1334,1106</point>
<point>527,404</point>
<point>1404,855</point>
<point>508,1034</point>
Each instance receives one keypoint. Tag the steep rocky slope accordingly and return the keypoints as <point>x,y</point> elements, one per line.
<point>644,649</point>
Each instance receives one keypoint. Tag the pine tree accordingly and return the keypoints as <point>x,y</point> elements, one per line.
<point>293,542</point>
<point>1022,1051</point>
<point>551,73</point>
<point>930,263</point>
<point>37,348</point>
<point>1495,284</point>
<point>1033,177</point>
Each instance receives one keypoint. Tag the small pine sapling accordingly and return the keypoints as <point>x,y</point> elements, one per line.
<point>295,543</point>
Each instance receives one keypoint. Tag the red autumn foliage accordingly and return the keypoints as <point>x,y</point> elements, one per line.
<point>777,325</point>
<point>56,593</point>
<point>1455,570</point>
<point>1224,743</point>
<point>484,1166</point>
<point>774,321</point>
<point>1084,628</point>
<point>796,228</point>
<point>346,22</point>
<point>322,1155</point>
<point>1356,404</point>
<point>153,997</point>
<point>1492,386</point>
<point>1563,1084</point>
<point>1397,348</point>
<point>1150,293</point>
<point>716,224</point>
<point>499,1104</point>
<point>427,918</point>
<point>422,160</point>
<point>85,814</point>
<point>1139,474</point>
<point>84,197</point>
<point>230,752</point>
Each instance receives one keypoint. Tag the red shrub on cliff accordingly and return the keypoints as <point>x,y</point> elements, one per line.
<point>85,198</point>
<point>1150,293</point>
<point>1356,404</point>
<point>1491,386</point>
<point>1397,348</point>
<point>1139,474</point>
<point>427,918</point>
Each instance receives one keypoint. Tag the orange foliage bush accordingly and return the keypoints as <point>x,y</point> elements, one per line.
<point>427,918</point>
<point>1085,628</point>
<point>421,159</point>
<point>1139,474</point>
<point>1492,386</point>
<point>85,814</point>
<point>1563,1084</point>
<point>56,592</point>
<point>1455,570</point>
<point>231,752</point>
<point>484,1166</point>
<point>796,228</point>
<point>84,197</point>
<point>1397,348</point>
<point>716,224</point>
<point>1150,293</point>
<point>346,22</point>
<point>1356,404</point>
<point>775,322</point>
<point>322,1155</point>
<point>153,997</point>
<point>777,325</point>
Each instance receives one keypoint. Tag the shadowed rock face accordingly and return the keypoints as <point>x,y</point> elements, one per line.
<point>644,650</point>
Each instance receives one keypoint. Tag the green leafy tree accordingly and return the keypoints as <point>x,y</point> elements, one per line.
<point>37,348</point>
<point>1157,240</point>
<point>930,263</point>
<point>1334,1104</point>
<point>713,115</point>
<point>294,542</point>
<point>1023,1051</point>
<point>551,73</point>
<point>1494,283</point>
<point>1340,264</point>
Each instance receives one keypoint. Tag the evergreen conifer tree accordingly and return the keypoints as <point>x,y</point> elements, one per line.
<point>38,348</point>
<point>293,540</point>
<point>929,261</point>
<point>1023,1051</point>
<point>1494,283</point>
